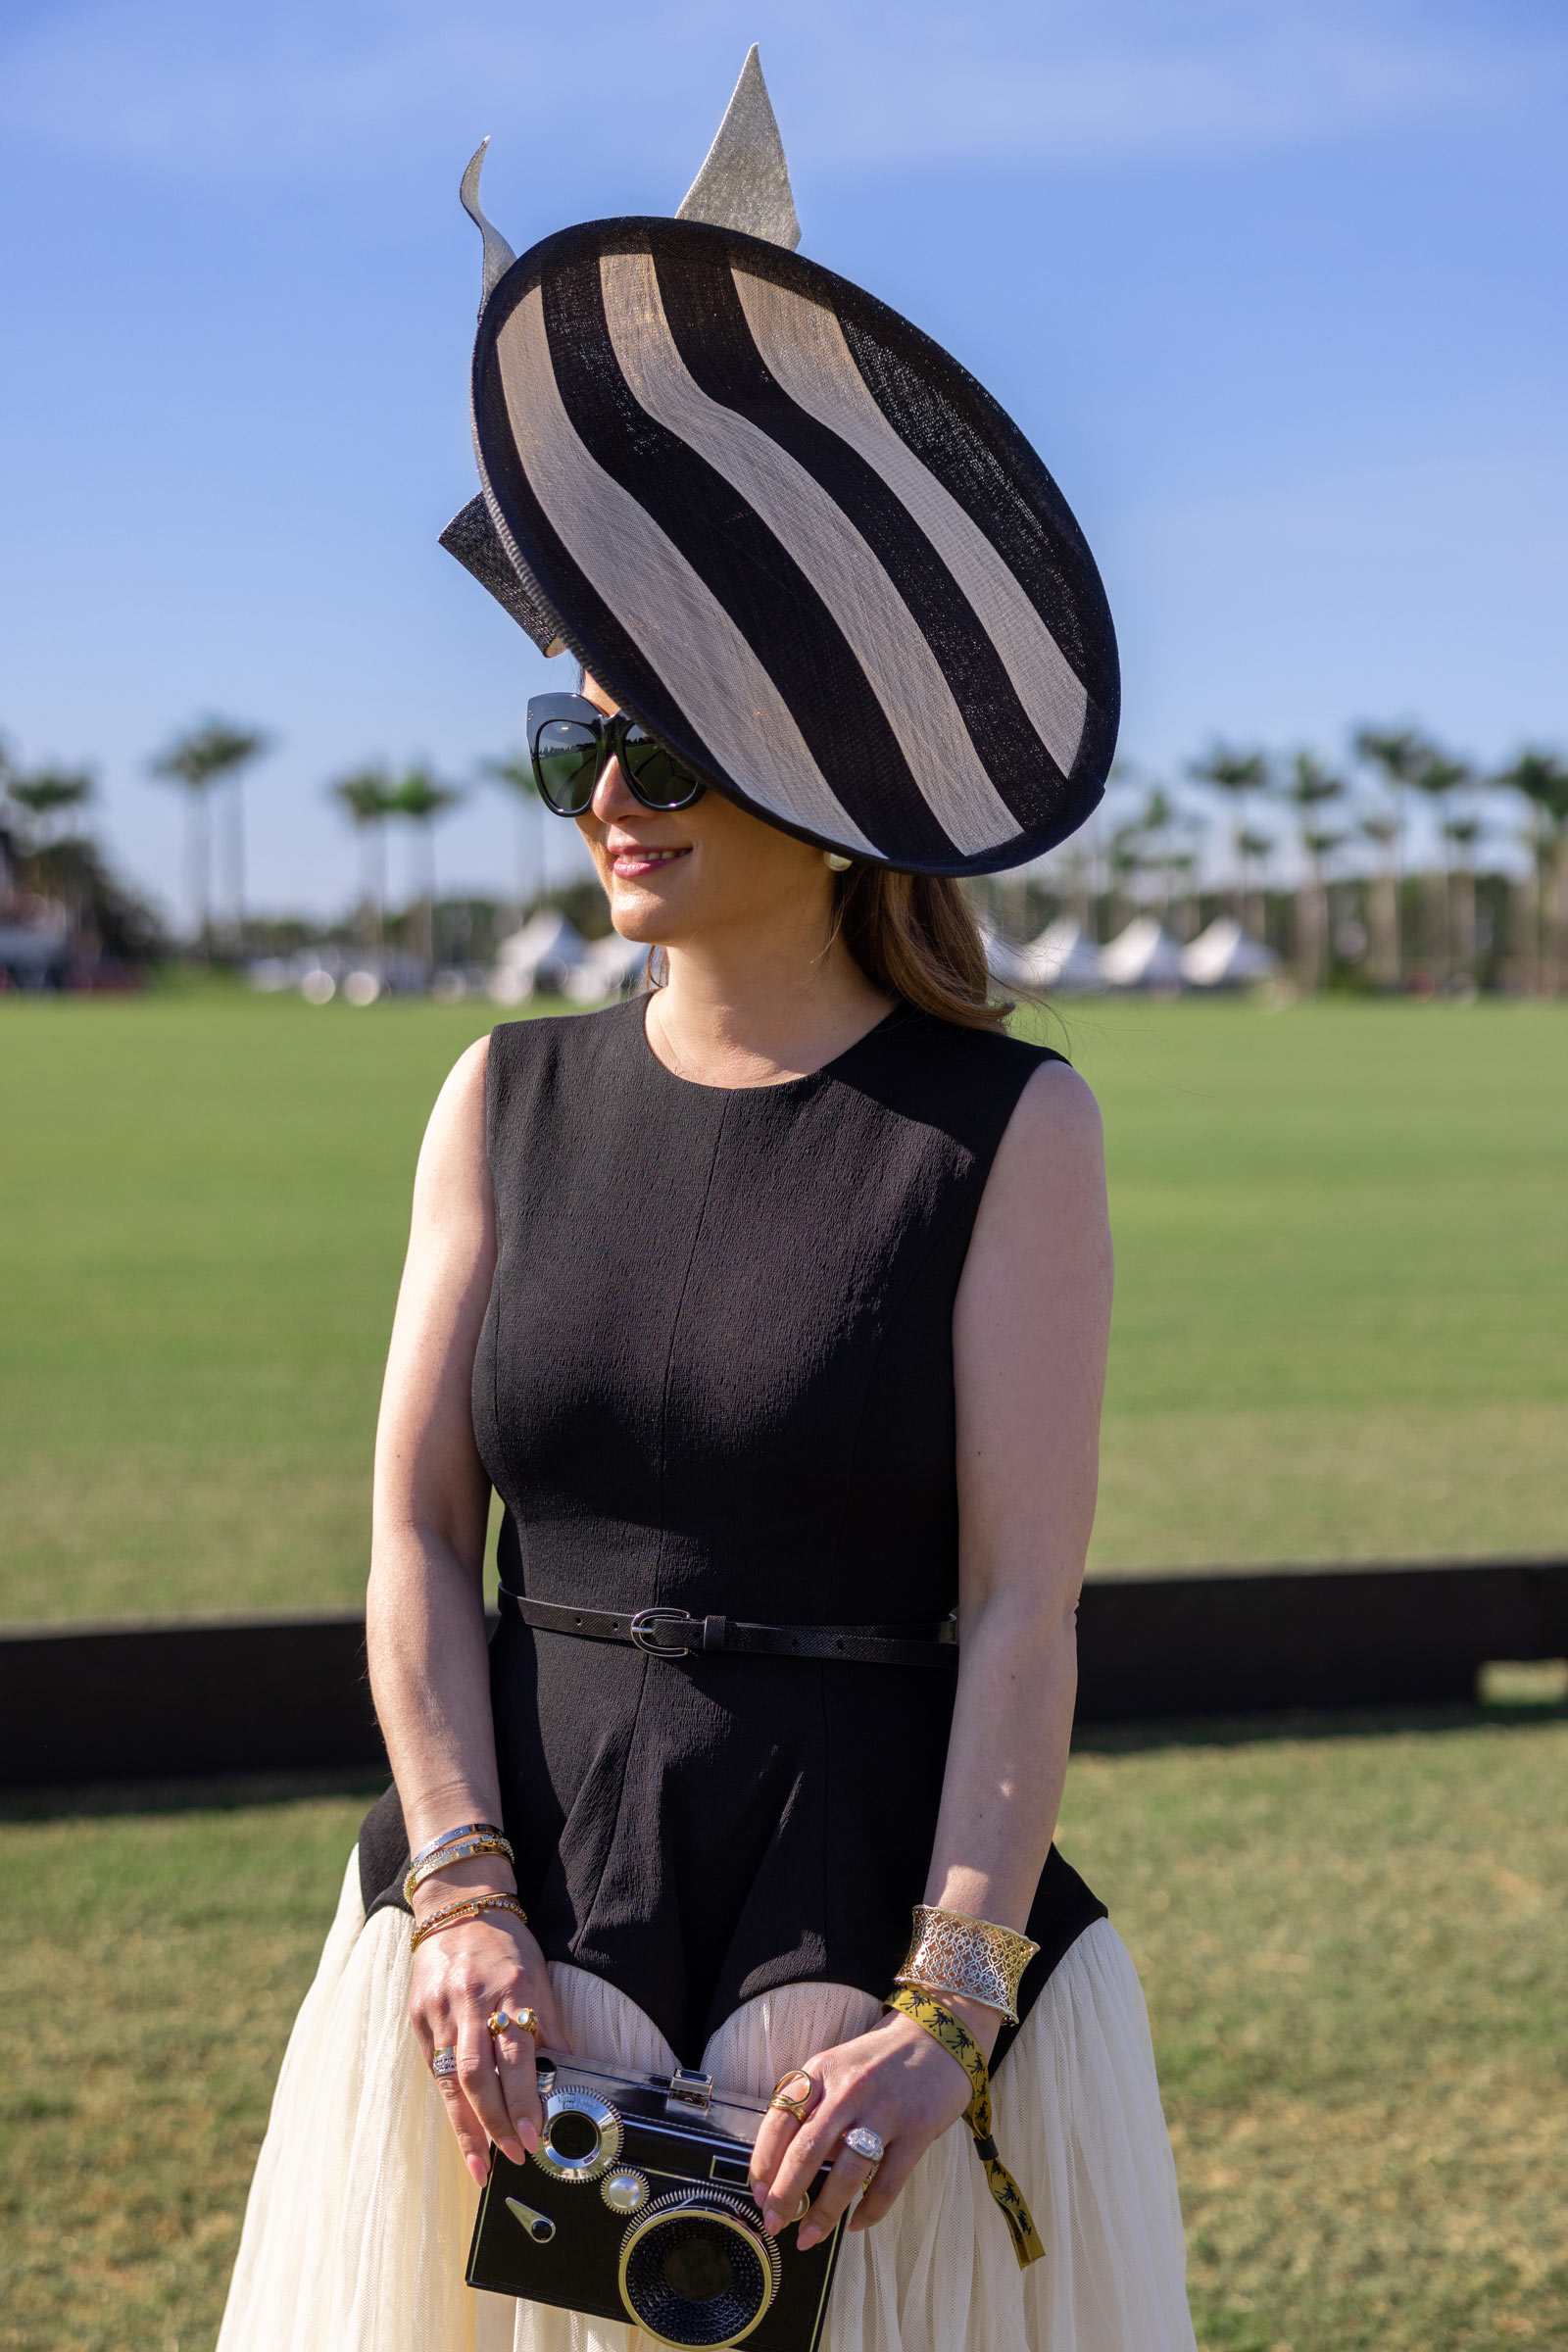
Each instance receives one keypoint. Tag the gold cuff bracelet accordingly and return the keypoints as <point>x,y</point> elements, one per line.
<point>951,1952</point>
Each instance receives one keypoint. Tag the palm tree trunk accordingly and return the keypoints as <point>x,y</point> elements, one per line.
<point>1556,956</point>
<point>1434,925</point>
<point>199,870</point>
<point>1312,929</point>
<point>1383,927</point>
<point>1462,903</point>
<point>426,910</point>
<point>1524,932</point>
<point>236,864</point>
<point>1398,885</point>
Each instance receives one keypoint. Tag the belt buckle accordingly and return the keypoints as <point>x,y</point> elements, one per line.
<point>643,1631</point>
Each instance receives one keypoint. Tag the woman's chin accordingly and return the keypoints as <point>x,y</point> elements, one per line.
<point>641,914</point>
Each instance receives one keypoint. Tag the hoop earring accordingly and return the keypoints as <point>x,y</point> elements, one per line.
<point>835,863</point>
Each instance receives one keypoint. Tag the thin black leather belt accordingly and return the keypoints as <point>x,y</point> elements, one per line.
<point>673,1633</point>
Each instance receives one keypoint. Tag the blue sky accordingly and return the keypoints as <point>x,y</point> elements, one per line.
<point>1276,288</point>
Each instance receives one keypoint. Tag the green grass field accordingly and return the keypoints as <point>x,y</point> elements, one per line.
<point>1341,1264</point>
<point>1351,1945</point>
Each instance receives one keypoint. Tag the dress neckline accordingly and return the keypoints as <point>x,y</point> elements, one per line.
<point>770,1086</point>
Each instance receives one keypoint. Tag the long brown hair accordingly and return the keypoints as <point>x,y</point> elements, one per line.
<point>915,936</point>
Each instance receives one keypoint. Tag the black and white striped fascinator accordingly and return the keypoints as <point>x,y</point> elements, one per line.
<point>785,529</point>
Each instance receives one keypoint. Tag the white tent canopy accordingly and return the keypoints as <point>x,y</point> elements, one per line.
<point>606,967</point>
<point>1226,956</point>
<point>1063,960</point>
<point>541,956</point>
<point>1144,955</point>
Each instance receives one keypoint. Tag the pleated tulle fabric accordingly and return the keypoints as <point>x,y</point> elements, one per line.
<point>359,2214</point>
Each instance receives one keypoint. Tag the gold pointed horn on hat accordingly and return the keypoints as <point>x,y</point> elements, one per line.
<point>498,254</point>
<point>745,183</point>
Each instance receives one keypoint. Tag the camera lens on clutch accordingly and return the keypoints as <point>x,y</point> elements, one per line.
<point>695,2270</point>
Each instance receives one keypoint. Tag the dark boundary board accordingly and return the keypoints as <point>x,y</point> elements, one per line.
<point>158,1699</point>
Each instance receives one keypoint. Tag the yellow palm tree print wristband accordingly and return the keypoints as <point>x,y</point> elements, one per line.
<point>943,2026</point>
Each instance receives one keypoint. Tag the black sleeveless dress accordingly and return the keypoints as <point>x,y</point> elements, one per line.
<point>717,1372</point>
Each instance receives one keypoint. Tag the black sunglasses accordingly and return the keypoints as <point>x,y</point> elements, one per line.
<point>570,742</point>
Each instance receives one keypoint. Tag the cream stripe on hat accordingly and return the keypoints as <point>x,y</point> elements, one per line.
<point>804,346</point>
<point>680,627</point>
<point>886,639</point>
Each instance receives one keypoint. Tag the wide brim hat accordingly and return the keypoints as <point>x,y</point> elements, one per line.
<point>786,530</point>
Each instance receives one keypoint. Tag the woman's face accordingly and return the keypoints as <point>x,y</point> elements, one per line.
<point>674,877</point>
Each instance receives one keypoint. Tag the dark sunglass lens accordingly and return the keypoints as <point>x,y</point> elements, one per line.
<point>652,773</point>
<point>566,763</point>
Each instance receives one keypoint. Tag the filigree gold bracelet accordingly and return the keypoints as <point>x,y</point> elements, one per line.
<point>950,1952</point>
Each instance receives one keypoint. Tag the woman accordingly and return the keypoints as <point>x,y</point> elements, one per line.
<point>774,1304</point>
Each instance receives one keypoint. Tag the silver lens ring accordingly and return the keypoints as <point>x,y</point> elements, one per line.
<point>578,2157</point>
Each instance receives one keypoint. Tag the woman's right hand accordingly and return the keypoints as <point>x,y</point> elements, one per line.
<point>461,1976</point>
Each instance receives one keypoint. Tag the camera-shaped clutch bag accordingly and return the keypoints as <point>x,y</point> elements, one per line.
<point>637,2206</point>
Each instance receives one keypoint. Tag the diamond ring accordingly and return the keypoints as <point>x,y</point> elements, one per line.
<point>445,2062</point>
<point>863,2141</point>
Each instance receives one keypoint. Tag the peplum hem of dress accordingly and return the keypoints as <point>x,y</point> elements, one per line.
<point>716,1374</point>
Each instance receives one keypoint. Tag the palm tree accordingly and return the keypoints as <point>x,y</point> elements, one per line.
<point>1308,788</point>
<point>1383,902</point>
<point>46,795</point>
<point>1438,776</point>
<point>197,760</point>
<point>422,799</point>
<point>1238,775</point>
<point>1395,755</point>
<point>1541,777</point>
<point>516,771</point>
<point>369,799</point>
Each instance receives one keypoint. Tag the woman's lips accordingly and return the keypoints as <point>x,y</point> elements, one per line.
<point>628,864</point>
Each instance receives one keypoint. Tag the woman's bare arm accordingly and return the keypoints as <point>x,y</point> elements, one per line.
<point>1030,1334</point>
<point>429,1665</point>
<point>429,1670</point>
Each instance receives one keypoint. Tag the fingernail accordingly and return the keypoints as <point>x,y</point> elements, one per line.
<point>771,2222</point>
<point>512,2150</point>
<point>807,2235</point>
<point>529,2138</point>
<point>478,2170</point>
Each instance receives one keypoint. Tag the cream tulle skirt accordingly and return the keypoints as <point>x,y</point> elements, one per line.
<point>357,2230</point>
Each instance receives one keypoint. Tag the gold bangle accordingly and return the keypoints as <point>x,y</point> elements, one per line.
<point>951,1952</point>
<point>449,1856</point>
<point>470,1909</point>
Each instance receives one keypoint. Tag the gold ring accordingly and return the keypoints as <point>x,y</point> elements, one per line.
<point>501,2021</point>
<point>795,2106</point>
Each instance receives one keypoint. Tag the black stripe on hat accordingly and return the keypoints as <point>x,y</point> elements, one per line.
<point>712,335</point>
<point>1036,536</point>
<point>598,634</point>
<point>788,625</point>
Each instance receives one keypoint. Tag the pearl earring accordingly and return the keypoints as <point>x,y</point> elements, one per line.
<point>837,864</point>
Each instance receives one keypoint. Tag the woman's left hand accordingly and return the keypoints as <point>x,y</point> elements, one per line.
<point>898,2081</point>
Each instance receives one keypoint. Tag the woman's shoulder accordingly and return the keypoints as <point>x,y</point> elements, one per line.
<point>966,1080</point>
<point>549,1040</point>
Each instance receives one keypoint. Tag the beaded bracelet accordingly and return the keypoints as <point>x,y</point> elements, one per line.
<point>470,1909</point>
<point>448,1856</point>
<point>951,1952</point>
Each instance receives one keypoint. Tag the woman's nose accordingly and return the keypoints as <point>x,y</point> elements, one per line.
<point>610,796</point>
